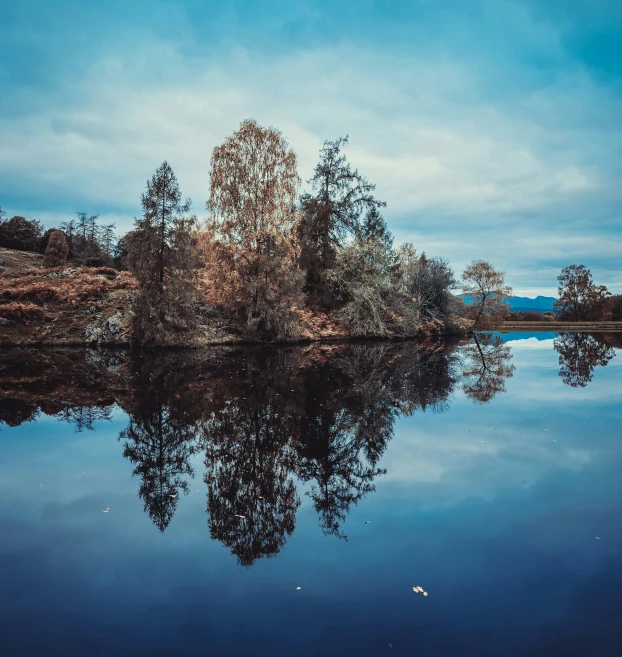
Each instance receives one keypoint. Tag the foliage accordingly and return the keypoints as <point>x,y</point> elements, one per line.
<point>18,311</point>
<point>56,251</point>
<point>162,257</point>
<point>531,316</point>
<point>427,281</point>
<point>615,307</point>
<point>250,242</point>
<point>579,299</point>
<point>332,212</point>
<point>487,289</point>
<point>20,234</point>
<point>89,243</point>
<point>363,290</point>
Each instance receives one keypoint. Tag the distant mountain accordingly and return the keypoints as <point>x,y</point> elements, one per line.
<point>522,304</point>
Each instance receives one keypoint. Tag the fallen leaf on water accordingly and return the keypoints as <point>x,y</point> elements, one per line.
<point>367,522</point>
<point>298,588</point>
<point>597,538</point>
<point>425,593</point>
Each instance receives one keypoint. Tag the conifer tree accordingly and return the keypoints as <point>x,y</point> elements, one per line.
<point>332,212</point>
<point>161,254</point>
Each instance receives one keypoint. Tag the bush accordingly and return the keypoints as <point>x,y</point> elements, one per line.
<point>21,312</point>
<point>428,281</point>
<point>370,304</point>
<point>20,234</point>
<point>56,251</point>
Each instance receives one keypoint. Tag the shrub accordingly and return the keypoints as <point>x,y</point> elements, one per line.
<point>56,251</point>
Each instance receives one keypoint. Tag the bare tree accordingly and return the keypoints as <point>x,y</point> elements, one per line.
<point>253,187</point>
<point>161,254</point>
<point>487,290</point>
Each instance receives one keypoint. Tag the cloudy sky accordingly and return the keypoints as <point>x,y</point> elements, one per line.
<point>492,128</point>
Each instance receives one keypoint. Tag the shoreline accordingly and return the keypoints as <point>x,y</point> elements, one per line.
<point>557,327</point>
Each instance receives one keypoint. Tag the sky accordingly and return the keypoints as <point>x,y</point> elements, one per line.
<point>491,128</point>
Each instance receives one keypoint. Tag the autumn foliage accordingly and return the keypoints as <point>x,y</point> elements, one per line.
<point>250,246</point>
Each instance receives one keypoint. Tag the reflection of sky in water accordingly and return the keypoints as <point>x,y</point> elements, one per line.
<point>501,533</point>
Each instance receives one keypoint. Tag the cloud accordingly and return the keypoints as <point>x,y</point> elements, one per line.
<point>483,155</point>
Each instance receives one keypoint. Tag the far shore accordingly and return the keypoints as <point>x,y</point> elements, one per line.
<point>555,327</point>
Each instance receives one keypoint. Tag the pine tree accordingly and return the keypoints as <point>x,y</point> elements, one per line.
<point>161,254</point>
<point>333,212</point>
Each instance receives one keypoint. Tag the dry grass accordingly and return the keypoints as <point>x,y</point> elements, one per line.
<point>17,311</point>
<point>62,288</point>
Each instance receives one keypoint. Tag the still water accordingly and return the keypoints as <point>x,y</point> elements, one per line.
<point>287,501</point>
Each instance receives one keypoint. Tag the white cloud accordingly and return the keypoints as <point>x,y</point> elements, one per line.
<point>422,129</point>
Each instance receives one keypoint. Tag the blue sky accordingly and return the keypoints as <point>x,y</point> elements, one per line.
<point>491,128</point>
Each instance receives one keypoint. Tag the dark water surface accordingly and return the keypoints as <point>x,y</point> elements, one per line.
<point>287,501</point>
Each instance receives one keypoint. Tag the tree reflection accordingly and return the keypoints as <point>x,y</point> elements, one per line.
<point>161,435</point>
<point>579,355</point>
<point>485,367</point>
<point>251,496</point>
<point>264,418</point>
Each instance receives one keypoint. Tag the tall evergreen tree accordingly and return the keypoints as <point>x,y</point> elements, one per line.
<point>340,196</point>
<point>161,254</point>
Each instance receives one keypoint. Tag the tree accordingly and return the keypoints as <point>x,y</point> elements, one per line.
<point>427,281</point>
<point>615,307</point>
<point>579,299</point>
<point>332,212</point>
<point>487,290</point>
<point>162,256</point>
<point>107,239</point>
<point>56,251</point>
<point>253,187</point>
<point>70,229</point>
<point>20,234</point>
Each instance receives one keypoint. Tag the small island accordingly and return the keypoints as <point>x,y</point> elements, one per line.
<point>268,264</point>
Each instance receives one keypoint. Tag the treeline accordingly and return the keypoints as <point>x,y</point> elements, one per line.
<point>83,240</point>
<point>267,254</point>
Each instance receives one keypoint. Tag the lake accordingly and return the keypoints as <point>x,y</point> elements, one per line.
<point>388,498</point>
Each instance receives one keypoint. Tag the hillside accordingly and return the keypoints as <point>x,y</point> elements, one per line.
<point>12,261</point>
<point>87,305</point>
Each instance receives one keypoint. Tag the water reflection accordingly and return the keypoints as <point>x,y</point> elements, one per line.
<point>161,435</point>
<point>580,354</point>
<point>486,365</point>
<point>269,424</point>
